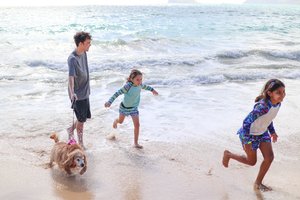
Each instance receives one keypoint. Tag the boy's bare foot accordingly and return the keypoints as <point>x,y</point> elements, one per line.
<point>226,158</point>
<point>115,124</point>
<point>138,146</point>
<point>262,187</point>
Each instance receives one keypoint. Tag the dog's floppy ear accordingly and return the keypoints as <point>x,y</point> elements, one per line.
<point>85,166</point>
<point>71,151</point>
<point>69,160</point>
<point>68,163</point>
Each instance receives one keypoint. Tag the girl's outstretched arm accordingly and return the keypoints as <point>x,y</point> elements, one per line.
<point>123,90</point>
<point>154,92</point>
<point>149,88</point>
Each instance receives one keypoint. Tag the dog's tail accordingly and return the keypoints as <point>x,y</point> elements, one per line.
<point>54,137</point>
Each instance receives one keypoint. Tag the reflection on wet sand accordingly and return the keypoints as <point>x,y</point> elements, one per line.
<point>259,194</point>
<point>132,187</point>
<point>70,187</point>
<point>132,183</point>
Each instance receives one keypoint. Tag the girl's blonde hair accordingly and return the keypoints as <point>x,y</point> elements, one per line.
<point>271,85</point>
<point>133,74</point>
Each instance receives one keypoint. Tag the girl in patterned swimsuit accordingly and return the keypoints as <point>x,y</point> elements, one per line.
<point>130,103</point>
<point>257,131</point>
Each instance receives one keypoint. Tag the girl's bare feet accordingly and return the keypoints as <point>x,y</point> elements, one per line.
<point>262,187</point>
<point>138,146</point>
<point>226,158</point>
<point>115,124</point>
<point>111,137</point>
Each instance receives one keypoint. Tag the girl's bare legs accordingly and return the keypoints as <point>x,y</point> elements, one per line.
<point>249,159</point>
<point>118,120</point>
<point>136,123</point>
<point>267,152</point>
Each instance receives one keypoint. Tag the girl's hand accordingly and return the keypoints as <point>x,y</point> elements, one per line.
<point>154,92</point>
<point>107,104</point>
<point>274,137</point>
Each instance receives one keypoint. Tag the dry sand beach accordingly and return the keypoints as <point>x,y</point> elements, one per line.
<point>187,169</point>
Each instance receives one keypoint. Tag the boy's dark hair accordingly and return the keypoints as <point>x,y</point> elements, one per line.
<point>81,37</point>
<point>133,74</point>
<point>271,85</point>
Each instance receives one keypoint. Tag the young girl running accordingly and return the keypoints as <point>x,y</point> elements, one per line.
<point>257,131</point>
<point>130,103</point>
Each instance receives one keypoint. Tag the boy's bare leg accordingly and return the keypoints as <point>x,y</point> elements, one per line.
<point>136,123</point>
<point>79,129</point>
<point>70,131</point>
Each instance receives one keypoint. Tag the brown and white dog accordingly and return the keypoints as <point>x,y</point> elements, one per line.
<point>69,157</point>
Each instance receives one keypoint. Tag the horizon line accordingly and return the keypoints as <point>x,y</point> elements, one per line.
<point>157,4</point>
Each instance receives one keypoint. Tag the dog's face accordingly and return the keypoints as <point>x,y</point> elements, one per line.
<point>77,161</point>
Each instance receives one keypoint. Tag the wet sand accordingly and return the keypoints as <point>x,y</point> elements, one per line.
<point>180,169</point>
<point>159,171</point>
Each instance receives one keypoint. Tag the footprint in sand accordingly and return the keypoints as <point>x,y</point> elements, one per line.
<point>111,137</point>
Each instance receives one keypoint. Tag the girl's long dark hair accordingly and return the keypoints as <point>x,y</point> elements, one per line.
<point>271,85</point>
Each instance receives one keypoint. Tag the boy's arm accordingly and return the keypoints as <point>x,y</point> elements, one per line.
<point>72,74</point>
<point>71,89</point>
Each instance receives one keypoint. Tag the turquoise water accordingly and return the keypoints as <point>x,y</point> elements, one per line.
<point>199,58</point>
<point>231,38</point>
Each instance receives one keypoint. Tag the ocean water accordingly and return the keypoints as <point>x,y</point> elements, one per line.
<point>208,63</point>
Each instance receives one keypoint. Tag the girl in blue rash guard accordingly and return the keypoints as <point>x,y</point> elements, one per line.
<point>130,103</point>
<point>257,131</point>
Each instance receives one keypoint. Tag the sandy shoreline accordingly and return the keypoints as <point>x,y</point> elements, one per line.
<point>160,171</point>
<point>169,167</point>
